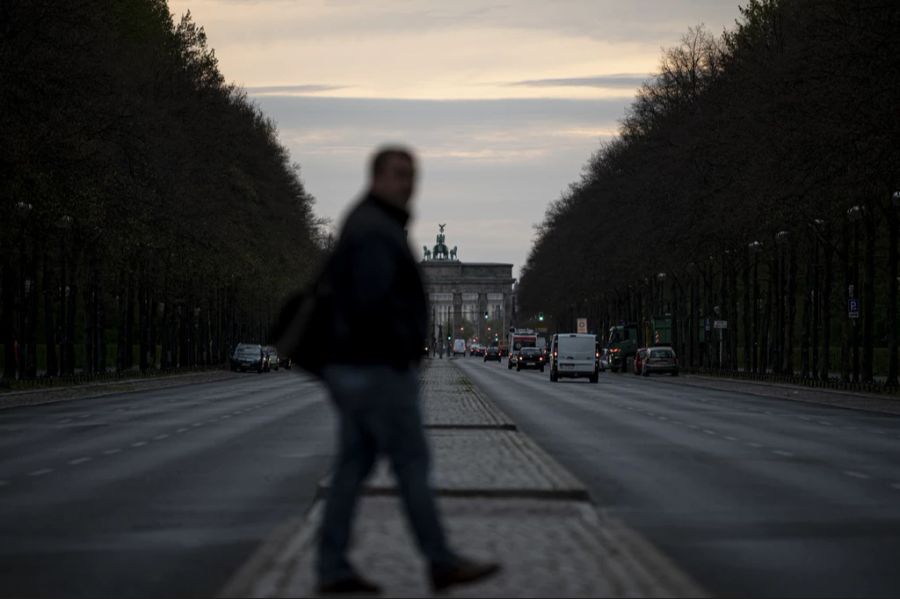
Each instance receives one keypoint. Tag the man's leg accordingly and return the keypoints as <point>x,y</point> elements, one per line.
<point>402,438</point>
<point>355,458</point>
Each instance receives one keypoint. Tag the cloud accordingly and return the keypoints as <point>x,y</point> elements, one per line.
<point>290,90</point>
<point>620,81</point>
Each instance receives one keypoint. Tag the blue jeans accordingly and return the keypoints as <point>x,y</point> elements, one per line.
<point>379,414</point>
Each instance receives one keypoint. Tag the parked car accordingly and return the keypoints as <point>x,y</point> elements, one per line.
<point>492,353</point>
<point>639,357</point>
<point>660,360</point>
<point>248,356</point>
<point>530,357</point>
<point>271,357</point>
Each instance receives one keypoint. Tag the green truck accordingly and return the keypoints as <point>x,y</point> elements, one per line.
<point>625,338</point>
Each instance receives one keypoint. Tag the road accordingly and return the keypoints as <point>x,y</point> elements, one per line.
<point>160,493</point>
<point>752,496</point>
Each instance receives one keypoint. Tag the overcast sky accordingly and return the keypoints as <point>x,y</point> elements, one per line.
<point>504,102</point>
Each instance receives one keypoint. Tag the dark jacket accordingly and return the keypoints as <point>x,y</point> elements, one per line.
<point>379,304</point>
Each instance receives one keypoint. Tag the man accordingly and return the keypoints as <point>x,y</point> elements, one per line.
<point>378,294</point>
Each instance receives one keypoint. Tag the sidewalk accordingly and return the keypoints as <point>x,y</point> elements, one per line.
<point>502,498</point>
<point>870,402</point>
<point>32,397</point>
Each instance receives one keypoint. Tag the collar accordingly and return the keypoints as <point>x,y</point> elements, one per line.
<point>397,214</point>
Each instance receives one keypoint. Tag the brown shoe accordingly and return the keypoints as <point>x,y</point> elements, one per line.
<point>355,585</point>
<point>463,572</point>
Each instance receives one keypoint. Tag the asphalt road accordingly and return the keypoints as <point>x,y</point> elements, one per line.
<point>752,496</point>
<point>158,493</point>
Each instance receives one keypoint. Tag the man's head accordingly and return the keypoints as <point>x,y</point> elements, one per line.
<point>393,175</point>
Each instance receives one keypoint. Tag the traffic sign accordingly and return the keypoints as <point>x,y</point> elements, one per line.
<point>720,324</point>
<point>853,307</point>
<point>582,325</point>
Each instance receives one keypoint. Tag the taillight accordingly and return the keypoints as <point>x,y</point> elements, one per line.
<point>596,354</point>
<point>555,354</point>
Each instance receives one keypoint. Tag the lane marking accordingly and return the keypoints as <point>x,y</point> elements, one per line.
<point>181,430</point>
<point>112,451</point>
<point>85,416</point>
<point>782,452</point>
<point>161,437</point>
<point>139,444</point>
<point>709,432</point>
<point>857,474</point>
<point>823,423</point>
<point>730,438</point>
<point>197,424</point>
<point>66,421</point>
<point>752,444</point>
<point>41,472</point>
<point>77,461</point>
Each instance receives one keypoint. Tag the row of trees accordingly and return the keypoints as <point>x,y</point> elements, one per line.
<point>144,202</point>
<point>753,181</point>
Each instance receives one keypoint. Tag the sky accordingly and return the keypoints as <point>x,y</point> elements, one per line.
<point>503,102</point>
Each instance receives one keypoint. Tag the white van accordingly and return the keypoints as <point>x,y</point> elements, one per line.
<point>574,355</point>
<point>459,347</point>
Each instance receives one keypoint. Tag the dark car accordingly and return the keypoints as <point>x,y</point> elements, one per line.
<point>272,359</point>
<point>660,360</point>
<point>530,357</point>
<point>248,356</point>
<point>492,353</point>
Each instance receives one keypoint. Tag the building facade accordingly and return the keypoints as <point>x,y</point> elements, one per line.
<point>471,296</point>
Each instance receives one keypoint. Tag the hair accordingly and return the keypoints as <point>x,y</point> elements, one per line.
<point>384,154</point>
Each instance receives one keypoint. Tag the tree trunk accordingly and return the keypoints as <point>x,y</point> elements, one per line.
<point>48,285</point>
<point>845,322</point>
<point>868,301</point>
<point>748,331</point>
<point>8,317</point>
<point>893,226</point>
<point>791,311</point>
<point>854,331</point>
<point>827,283</point>
<point>808,310</point>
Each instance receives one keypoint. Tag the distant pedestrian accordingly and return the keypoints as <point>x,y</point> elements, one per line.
<point>378,294</point>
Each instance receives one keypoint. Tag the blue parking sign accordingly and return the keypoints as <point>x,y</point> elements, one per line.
<point>853,308</point>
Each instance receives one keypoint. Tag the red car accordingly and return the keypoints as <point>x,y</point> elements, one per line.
<point>639,357</point>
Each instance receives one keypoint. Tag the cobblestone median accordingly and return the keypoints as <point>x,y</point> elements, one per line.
<point>547,549</point>
<point>450,401</point>
<point>14,399</point>
<point>502,498</point>
<point>490,464</point>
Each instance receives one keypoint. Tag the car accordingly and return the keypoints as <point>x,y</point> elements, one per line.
<point>574,355</point>
<point>530,357</point>
<point>476,349</point>
<point>492,353</point>
<point>272,357</point>
<point>248,356</point>
<point>660,360</point>
<point>639,357</point>
<point>604,359</point>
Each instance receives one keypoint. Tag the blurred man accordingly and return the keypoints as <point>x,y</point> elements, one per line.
<point>378,294</point>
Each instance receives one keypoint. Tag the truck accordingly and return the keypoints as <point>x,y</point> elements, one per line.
<point>519,338</point>
<point>621,344</point>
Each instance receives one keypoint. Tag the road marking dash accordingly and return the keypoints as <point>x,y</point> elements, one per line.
<point>112,451</point>
<point>857,474</point>
<point>181,430</point>
<point>752,444</point>
<point>730,438</point>
<point>139,444</point>
<point>198,424</point>
<point>709,432</point>
<point>823,423</point>
<point>161,437</point>
<point>77,461</point>
<point>66,421</point>
<point>41,472</point>
<point>781,452</point>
